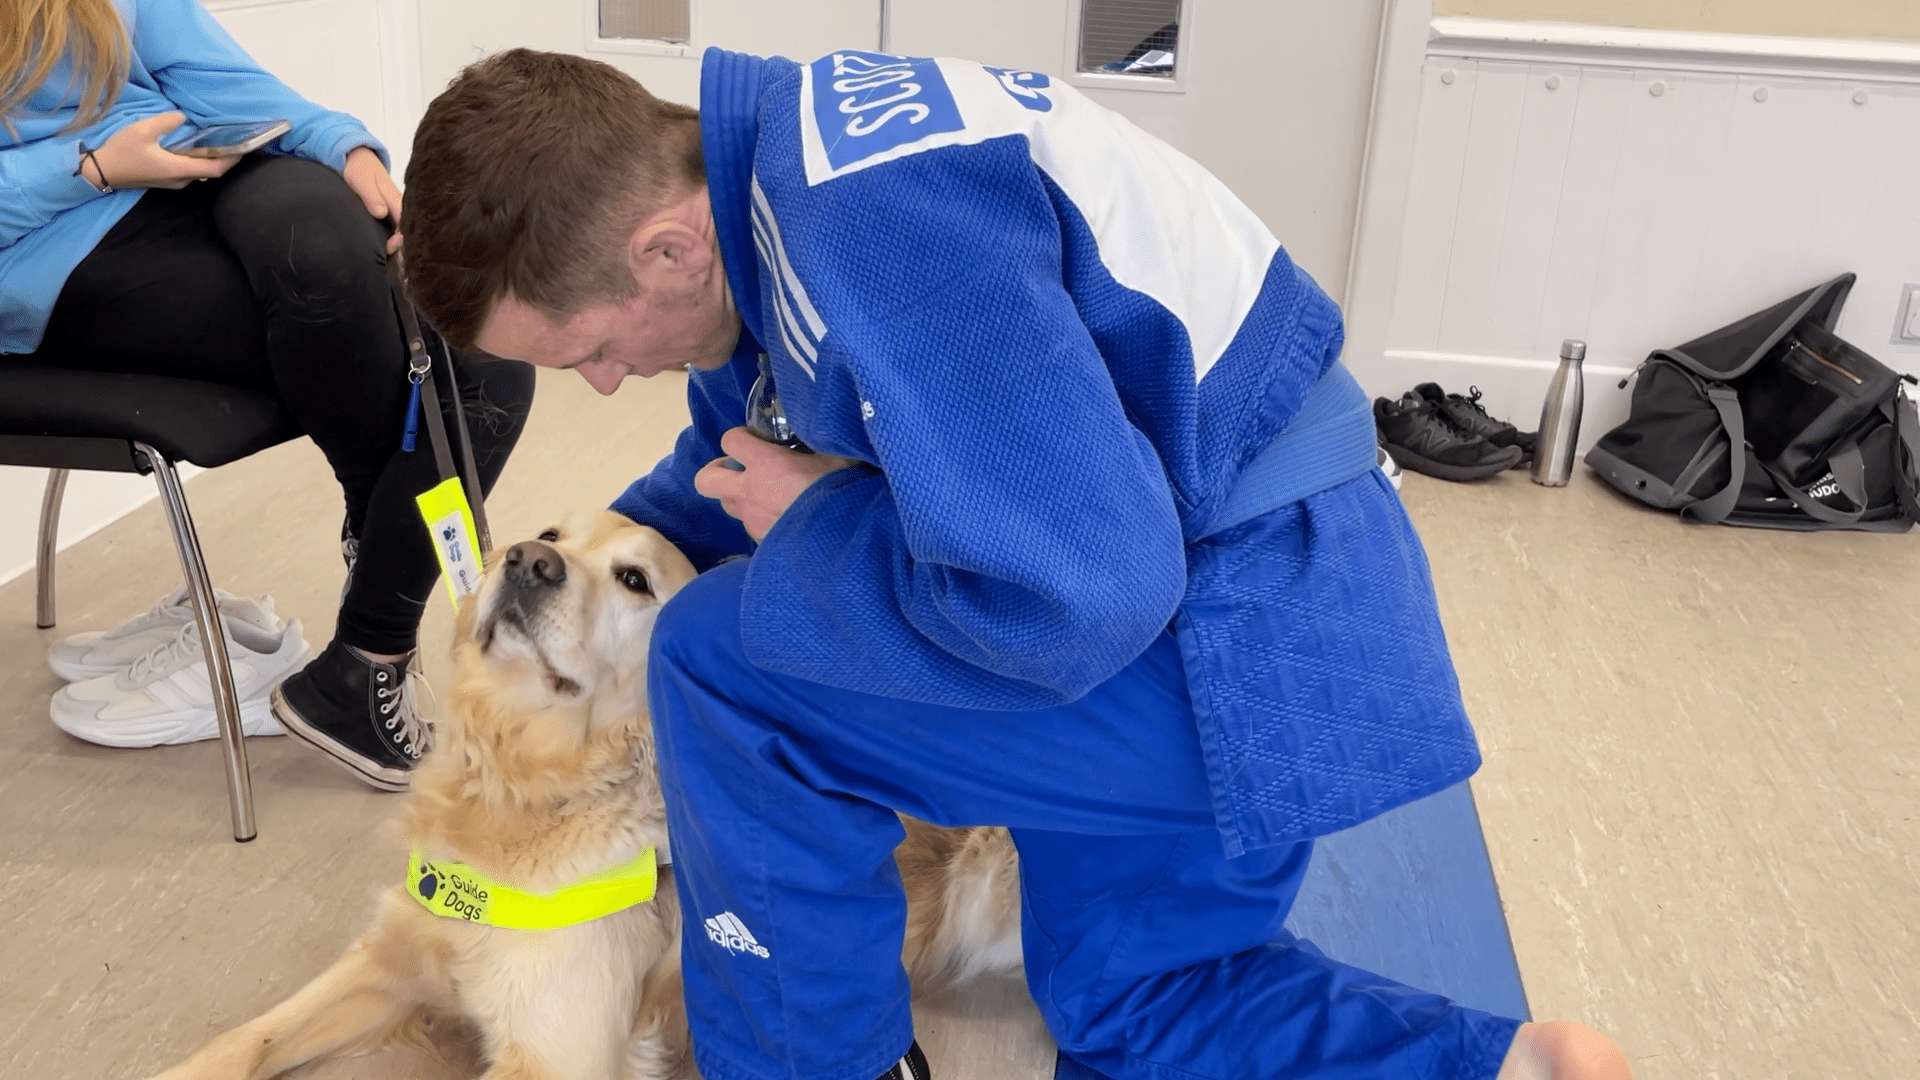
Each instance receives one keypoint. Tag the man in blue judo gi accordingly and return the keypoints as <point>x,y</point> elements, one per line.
<point>1089,543</point>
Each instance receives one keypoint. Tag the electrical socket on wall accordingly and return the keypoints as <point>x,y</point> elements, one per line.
<point>1906,319</point>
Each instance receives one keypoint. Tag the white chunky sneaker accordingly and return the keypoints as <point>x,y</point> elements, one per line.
<point>104,652</point>
<point>163,698</point>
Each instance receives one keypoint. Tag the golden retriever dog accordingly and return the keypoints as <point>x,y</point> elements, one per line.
<point>542,773</point>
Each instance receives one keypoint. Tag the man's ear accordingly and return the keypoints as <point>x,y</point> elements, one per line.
<point>668,253</point>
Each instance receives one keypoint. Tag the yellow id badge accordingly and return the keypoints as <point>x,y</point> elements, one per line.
<point>450,521</point>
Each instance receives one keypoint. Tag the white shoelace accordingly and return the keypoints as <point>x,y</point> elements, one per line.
<point>168,608</point>
<point>404,713</point>
<point>164,657</point>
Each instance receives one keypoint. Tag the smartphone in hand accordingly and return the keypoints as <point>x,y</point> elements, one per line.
<point>230,140</point>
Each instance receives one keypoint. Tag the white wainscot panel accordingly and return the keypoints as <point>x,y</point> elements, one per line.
<point>1635,208</point>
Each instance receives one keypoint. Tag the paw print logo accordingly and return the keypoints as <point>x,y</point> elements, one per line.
<point>429,881</point>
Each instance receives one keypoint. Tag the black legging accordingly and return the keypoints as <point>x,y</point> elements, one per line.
<point>273,277</point>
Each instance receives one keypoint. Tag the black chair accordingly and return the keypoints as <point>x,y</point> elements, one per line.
<point>62,420</point>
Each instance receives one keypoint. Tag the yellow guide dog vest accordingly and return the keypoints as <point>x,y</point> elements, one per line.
<point>458,891</point>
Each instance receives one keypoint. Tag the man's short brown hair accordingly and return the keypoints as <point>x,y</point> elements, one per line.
<point>528,176</point>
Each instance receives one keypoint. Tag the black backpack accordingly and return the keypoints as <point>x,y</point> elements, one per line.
<point>1774,422</point>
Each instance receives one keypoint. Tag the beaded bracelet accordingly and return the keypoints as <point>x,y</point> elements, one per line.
<point>86,155</point>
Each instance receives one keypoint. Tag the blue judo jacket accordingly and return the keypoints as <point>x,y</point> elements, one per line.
<point>1056,344</point>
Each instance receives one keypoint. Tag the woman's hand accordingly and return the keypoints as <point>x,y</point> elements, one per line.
<point>368,178</point>
<point>134,158</point>
<point>770,479</point>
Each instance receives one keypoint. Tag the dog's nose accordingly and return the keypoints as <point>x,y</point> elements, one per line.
<point>533,565</point>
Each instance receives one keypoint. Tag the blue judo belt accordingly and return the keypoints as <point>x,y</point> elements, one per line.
<point>1330,441</point>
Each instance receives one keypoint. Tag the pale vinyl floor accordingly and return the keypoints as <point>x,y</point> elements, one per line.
<point>1700,795</point>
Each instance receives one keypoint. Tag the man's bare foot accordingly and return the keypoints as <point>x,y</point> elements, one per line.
<point>1563,1050</point>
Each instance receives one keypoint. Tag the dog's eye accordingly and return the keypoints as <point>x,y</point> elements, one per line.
<point>550,534</point>
<point>633,579</point>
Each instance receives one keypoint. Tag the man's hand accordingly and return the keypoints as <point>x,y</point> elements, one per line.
<point>133,158</point>
<point>772,478</point>
<point>378,193</point>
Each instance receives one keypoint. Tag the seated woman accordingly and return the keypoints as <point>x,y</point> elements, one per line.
<point>266,271</point>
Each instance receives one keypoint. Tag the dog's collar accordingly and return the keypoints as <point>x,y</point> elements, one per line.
<point>458,891</point>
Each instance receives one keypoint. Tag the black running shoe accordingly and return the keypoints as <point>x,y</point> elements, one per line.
<point>1421,439</point>
<point>911,1067</point>
<point>358,712</point>
<point>1467,414</point>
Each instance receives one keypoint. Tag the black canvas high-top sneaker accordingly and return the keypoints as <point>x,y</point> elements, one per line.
<point>911,1067</point>
<point>358,712</point>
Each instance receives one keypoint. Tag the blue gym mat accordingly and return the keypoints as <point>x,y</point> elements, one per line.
<point>1409,895</point>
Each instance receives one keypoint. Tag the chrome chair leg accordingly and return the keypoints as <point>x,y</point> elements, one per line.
<point>213,641</point>
<point>44,556</point>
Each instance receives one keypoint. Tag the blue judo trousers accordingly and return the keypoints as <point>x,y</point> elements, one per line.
<point>1150,953</point>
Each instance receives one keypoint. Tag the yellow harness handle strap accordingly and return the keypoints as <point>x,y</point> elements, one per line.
<point>450,523</point>
<point>458,891</point>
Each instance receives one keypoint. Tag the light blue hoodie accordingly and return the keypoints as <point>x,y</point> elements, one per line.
<point>50,217</point>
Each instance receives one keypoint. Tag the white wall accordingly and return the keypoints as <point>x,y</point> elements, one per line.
<point>455,33</point>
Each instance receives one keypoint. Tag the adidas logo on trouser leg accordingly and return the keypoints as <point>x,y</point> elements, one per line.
<point>727,931</point>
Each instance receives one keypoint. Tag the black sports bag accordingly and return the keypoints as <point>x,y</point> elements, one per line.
<point>1775,422</point>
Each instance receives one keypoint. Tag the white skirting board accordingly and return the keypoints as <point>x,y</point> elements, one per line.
<point>1534,182</point>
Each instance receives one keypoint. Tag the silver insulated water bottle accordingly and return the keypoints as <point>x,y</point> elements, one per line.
<point>1560,418</point>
